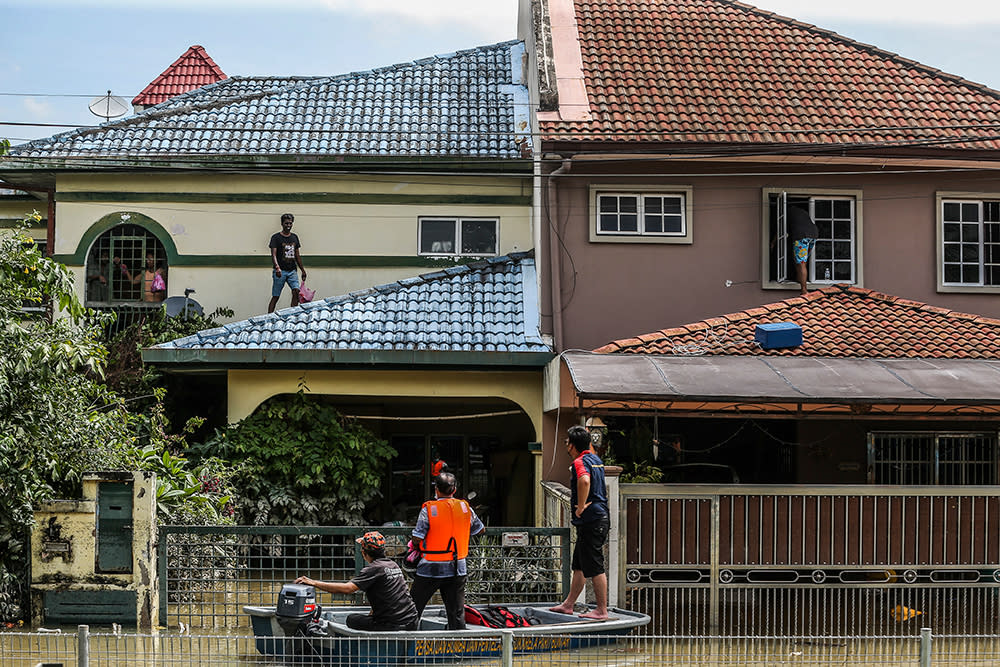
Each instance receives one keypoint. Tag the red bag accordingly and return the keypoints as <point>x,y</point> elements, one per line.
<point>497,617</point>
<point>305,294</point>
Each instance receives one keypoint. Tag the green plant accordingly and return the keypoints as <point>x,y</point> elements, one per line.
<point>302,464</point>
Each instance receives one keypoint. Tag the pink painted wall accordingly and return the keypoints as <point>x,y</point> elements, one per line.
<point>614,290</point>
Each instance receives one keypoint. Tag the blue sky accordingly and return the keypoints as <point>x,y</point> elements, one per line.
<point>52,49</point>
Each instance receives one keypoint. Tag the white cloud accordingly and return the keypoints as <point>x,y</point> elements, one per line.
<point>955,12</point>
<point>38,109</point>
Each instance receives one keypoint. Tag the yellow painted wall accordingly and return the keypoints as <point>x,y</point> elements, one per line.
<point>247,291</point>
<point>325,229</point>
<point>249,388</point>
<point>17,210</point>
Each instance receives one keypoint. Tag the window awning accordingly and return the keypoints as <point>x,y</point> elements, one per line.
<point>754,384</point>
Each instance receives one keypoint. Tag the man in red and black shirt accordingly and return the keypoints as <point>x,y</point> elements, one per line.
<point>589,503</point>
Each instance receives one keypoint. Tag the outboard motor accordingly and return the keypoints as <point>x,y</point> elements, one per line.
<point>297,609</point>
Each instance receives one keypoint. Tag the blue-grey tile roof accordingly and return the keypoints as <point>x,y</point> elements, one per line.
<point>468,103</point>
<point>486,306</point>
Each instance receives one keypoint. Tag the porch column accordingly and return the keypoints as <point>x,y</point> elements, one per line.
<point>611,474</point>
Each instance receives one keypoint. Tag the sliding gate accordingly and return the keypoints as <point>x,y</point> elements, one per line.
<point>840,560</point>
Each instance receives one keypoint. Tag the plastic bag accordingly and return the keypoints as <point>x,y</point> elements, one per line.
<point>159,285</point>
<point>305,294</point>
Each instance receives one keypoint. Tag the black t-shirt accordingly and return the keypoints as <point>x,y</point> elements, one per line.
<point>384,586</point>
<point>800,225</point>
<point>286,246</point>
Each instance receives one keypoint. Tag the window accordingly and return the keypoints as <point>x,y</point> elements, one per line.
<point>932,458</point>
<point>641,215</point>
<point>458,236</point>
<point>122,264</point>
<point>970,242</point>
<point>835,257</point>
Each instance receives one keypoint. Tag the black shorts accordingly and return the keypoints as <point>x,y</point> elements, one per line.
<point>588,555</point>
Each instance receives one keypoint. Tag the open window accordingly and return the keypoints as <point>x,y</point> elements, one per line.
<point>464,237</point>
<point>836,256</point>
<point>123,266</point>
<point>969,243</point>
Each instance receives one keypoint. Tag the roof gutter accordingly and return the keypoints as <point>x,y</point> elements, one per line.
<point>555,268</point>
<point>200,358</point>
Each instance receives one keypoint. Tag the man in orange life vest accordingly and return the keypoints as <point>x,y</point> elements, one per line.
<point>442,534</point>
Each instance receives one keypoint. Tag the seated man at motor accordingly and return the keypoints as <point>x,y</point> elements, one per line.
<point>384,586</point>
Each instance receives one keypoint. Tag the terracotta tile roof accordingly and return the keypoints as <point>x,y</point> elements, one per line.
<point>193,69</point>
<point>838,321</point>
<point>724,72</point>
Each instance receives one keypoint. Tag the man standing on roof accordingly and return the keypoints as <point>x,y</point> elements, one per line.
<point>284,258</point>
<point>589,502</point>
<point>442,535</point>
<point>384,586</point>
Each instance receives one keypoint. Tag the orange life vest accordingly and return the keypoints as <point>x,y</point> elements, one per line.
<point>447,538</point>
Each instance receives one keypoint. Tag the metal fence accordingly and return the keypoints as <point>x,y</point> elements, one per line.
<point>208,573</point>
<point>103,649</point>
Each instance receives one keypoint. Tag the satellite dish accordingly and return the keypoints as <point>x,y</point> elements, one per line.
<point>182,306</point>
<point>108,106</point>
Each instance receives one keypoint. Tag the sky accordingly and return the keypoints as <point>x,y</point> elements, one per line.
<point>56,55</point>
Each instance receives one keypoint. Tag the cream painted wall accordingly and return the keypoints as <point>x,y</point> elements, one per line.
<point>247,291</point>
<point>323,229</point>
<point>17,210</point>
<point>249,388</point>
<point>212,230</point>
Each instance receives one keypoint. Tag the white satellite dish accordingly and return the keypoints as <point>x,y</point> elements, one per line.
<point>108,106</point>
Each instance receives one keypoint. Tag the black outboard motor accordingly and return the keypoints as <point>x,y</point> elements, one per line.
<point>296,609</point>
<point>299,617</point>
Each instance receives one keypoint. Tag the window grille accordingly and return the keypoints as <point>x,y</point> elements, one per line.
<point>118,256</point>
<point>928,458</point>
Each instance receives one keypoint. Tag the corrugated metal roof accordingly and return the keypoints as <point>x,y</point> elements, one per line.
<point>485,306</point>
<point>469,103</point>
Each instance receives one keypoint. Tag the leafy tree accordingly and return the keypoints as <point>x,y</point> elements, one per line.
<point>303,463</point>
<point>56,418</point>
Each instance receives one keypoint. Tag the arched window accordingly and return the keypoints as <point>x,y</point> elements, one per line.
<point>126,264</point>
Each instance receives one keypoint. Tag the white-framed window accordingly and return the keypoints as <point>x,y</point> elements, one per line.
<point>836,255</point>
<point>640,214</point>
<point>464,237</point>
<point>969,242</point>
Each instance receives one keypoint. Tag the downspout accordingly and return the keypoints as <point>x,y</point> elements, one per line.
<point>555,269</point>
<point>50,225</point>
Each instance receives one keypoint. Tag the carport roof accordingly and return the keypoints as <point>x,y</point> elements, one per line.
<point>784,380</point>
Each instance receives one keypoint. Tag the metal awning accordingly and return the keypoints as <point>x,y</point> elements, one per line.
<point>718,380</point>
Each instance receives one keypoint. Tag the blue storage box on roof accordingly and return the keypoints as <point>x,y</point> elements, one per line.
<point>778,335</point>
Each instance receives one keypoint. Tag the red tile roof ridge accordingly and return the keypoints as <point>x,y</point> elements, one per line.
<point>933,71</point>
<point>156,86</point>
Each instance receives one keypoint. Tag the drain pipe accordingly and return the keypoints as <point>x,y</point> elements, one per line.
<point>555,269</point>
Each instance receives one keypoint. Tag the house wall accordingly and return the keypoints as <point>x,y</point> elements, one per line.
<point>611,291</point>
<point>14,209</point>
<point>356,231</point>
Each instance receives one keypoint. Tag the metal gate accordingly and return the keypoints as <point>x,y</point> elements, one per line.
<point>769,561</point>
